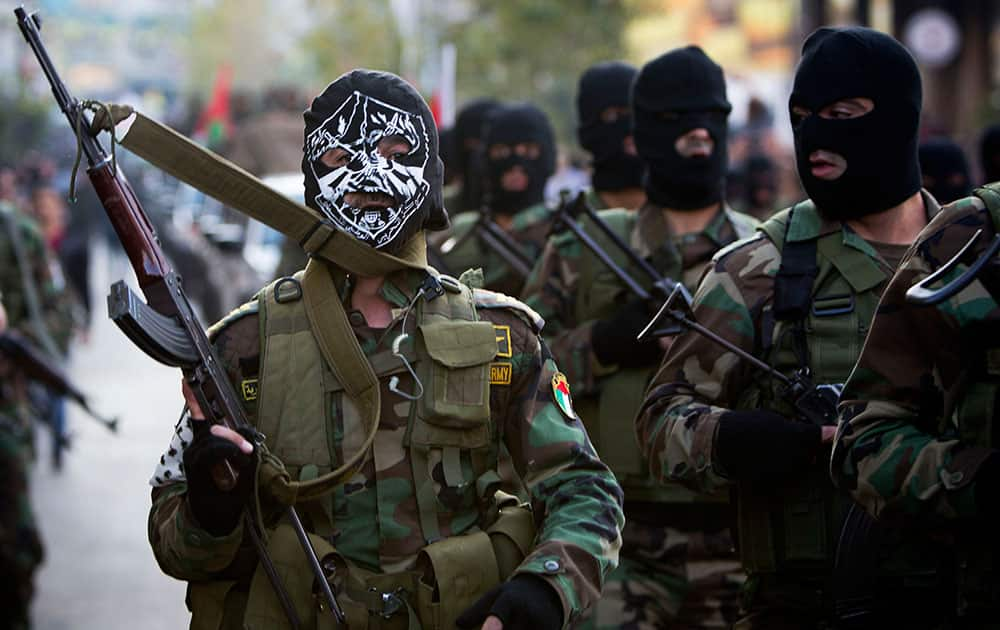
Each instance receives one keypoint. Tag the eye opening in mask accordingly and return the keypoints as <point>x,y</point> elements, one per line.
<point>614,113</point>
<point>394,147</point>
<point>335,157</point>
<point>498,151</point>
<point>841,109</point>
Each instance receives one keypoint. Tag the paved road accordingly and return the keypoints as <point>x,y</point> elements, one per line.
<point>99,571</point>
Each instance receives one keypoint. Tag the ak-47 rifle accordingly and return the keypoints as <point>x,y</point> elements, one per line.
<point>814,403</point>
<point>568,214</point>
<point>37,367</point>
<point>495,238</point>
<point>165,326</point>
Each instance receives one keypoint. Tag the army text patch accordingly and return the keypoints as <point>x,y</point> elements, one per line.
<point>249,388</point>
<point>504,348</point>
<point>500,373</point>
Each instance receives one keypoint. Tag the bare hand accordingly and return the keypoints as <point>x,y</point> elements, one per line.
<point>217,429</point>
<point>3,318</point>
<point>828,434</point>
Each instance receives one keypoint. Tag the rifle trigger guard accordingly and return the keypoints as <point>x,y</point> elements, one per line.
<point>921,293</point>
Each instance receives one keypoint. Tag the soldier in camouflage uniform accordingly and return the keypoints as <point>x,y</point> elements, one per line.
<point>916,445</point>
<point>467,148</point>
<point>20,545</point>
<point>677,567</point>
<point>799,295</point>
<point>39,306</point>
<point>414,533</point>
<point>520,155</point>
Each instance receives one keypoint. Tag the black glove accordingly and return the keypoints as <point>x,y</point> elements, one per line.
<point>217,511</point>
<point>613,339</point>
<point>525,602</point>
<point>765,446</point>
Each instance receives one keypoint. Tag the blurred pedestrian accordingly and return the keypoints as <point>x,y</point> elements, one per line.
<point>944,169</point>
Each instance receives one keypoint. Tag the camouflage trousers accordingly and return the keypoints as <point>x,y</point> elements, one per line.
<point>668,578</point>
<point>20,545</point>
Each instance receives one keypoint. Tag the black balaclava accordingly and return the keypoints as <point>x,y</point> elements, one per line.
<point>510,125</point>
<point>989,154</point>
<point>602,86</point>
<point>881,146</point>
<point>353,114</point>
<point>676,93</point>
<point>944,169</point>
<point>469,126</point>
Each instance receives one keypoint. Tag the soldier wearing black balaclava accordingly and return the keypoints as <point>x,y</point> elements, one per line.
<point>944,170</point>
<point>679,109</point>
<point>519,155</point>
<point>404,527</point>
<point>605,131</point>
<point>520,151</point>
<point>467,151</point>
<point>799,296</point>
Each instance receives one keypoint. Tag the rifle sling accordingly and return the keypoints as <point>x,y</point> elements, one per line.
<point>342,352</point>
<point>217,177</point>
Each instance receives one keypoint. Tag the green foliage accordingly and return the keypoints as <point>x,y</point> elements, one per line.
<point>23,123</point>
<point>536,50</point>
<point>347,35</point>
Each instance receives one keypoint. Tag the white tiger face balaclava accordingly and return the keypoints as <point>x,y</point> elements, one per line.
<point>371,160</point>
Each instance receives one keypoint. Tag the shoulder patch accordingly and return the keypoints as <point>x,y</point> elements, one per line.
<point>250,308</point>
<point>491,299</point>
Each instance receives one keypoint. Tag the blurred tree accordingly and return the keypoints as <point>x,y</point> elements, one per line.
<point>347,35</point>
<point>536,50</point>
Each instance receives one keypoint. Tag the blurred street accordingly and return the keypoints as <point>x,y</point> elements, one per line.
<point>99,571</point>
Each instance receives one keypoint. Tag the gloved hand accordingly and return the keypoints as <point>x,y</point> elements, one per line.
<point>525,602</point>
<point>217,511</point>
<point>613,339</point>
<point>764,446</point>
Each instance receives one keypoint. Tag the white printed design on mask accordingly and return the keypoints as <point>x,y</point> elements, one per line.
<point>357,127</point>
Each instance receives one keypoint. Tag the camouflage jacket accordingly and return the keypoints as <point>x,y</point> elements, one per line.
<point>915,414</point>
<point>575,499</point>
<point>25,258</point>
<point>20,544</point>
<point>461,251</point>
<point>699,380</point>
<point>571,289</point>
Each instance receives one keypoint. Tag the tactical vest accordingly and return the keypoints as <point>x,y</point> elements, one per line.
<point>450,349</point>
<point>826,293</point>
<point>608,415</point>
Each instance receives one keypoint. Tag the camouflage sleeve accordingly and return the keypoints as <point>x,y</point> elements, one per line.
<point>895,451</point>
<point>182,548</point>
<point>700,380</point>
<point>550,290</point>
<point>576,500</point>
<point>20,545</point>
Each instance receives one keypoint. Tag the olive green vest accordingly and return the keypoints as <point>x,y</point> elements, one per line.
<point>608,415</point>
<point>451,351</point>
<point>795,527</point>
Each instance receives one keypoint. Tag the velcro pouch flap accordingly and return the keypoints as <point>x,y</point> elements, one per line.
<point>459,344</point>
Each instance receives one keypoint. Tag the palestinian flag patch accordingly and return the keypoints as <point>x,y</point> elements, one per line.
<point>560,391</point>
